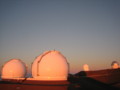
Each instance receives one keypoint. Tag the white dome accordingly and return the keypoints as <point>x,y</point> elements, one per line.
<point>115,65</point>
<point>86,67</point>
<point>51,65</point>
<point>14,69</point>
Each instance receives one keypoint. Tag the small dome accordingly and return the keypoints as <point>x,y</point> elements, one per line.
<point>86,67</point>
<point>14,69</point>
<point>115,65</point>
<point>51,65</point>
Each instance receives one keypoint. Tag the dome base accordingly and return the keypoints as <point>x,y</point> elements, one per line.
<point>50,78</point>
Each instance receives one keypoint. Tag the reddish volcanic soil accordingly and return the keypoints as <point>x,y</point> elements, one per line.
<point>34,85</point>
<point>93,80</point>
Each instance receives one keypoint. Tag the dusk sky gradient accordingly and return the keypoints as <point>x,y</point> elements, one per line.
<point>84,31</point>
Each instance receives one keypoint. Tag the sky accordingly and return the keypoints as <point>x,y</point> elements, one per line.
<point>84,31</point>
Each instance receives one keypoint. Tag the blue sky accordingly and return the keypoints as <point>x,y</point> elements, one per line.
<point>84,31</point>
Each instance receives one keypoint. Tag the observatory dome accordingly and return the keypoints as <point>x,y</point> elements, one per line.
<point>51,65</point>
<point>14,69</point>
<point>115,65</point>
<point>86,67</point>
